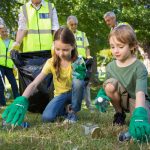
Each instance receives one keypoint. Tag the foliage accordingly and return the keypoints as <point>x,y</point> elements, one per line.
<point>9,12</point>
<point>90,15</point>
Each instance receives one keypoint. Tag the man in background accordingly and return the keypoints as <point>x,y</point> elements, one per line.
<point>83,50</point>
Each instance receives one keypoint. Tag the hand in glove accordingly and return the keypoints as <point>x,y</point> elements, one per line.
<point>79,69</point>
<point>15,46</point>
<point>102,101</point>
<point>15,113</point>
<point>139,127</point>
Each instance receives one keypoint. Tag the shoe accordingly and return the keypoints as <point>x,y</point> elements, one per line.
<point>71,118</point>
<point>69,108</point>
<point>119,118</point>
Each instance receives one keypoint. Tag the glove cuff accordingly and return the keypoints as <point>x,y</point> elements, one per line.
<point>140,112</point>
<point>23,100</point>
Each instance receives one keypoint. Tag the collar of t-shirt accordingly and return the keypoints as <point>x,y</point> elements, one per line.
<point>39,6</point>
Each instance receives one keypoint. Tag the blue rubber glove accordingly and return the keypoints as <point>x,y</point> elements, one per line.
<point>102,101</point>
<point>139,127</point>
<point>15,113</point>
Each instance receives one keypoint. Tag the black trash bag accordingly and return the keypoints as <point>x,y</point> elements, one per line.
<point>29,66</point>
<point>89,63</point>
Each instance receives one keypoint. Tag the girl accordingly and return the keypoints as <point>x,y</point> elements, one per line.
<point>60,66</point>
<point>126,83</point>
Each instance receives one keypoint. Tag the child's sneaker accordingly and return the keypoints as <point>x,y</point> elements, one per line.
<point>119,118</point>
<point>71,118</point>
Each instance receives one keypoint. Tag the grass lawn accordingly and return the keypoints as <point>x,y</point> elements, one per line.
<point>56,136</point>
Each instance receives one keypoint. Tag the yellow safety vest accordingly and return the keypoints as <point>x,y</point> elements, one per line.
<point>80,36</point>
<point>120,23</point>
<point>5,59</point>
<point>39,23</point>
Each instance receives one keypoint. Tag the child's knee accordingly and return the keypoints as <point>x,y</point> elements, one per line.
<point>109,88</point>
<point>48,117</point>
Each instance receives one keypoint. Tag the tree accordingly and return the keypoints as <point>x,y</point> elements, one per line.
<point>90,15</point>
<point>9,12</point>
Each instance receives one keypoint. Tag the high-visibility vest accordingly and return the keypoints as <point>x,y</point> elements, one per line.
<point>39,23</point>
<point>5,59</point>
<point>119,24</point>
<point>80,36</point>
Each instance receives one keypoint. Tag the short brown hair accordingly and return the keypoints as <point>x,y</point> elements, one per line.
<point>125,34</point>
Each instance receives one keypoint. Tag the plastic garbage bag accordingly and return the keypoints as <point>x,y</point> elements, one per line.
<point>29,66</point>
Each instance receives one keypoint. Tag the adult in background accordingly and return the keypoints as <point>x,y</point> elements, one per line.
<point>111,21</point>
<point>37,22</point>
<point>83,50</point>
<point>6,65</point>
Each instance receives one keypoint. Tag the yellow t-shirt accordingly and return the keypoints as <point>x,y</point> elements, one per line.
<point>65,81</point>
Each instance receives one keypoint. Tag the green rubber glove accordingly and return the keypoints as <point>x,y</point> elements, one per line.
<point>102,100</point>
<point>15,113</point>
<point>139,127</point>
<point>79,68</point>
<point>79,72</point>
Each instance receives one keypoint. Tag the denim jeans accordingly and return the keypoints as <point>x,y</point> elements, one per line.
<point>56,107</point>
<point>78,87</point>
<point>10,76</point>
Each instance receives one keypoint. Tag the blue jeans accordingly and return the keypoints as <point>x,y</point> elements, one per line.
<point>56,107</point>
<point>10,76</point>
<point>78,87</point>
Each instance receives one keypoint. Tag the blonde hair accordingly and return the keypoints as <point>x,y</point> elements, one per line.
<point>125,34</point>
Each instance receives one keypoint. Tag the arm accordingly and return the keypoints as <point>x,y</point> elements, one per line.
<point>140,99</point>
<point>22,31</point>
<point>33,86</point>
<point>15,113</point>
<point>88,52</point>
<point>19,38</point>
<point>20,35</point>
<point>86,44</point>
<point>55,23</point>
<point>139,127</point>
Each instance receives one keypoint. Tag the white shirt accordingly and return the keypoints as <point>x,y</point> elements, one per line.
<point>22,23</point>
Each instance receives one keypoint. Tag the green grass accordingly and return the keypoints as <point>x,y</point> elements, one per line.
<point>56,136</point>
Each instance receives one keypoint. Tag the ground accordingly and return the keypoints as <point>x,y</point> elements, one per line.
<point>55,136</point>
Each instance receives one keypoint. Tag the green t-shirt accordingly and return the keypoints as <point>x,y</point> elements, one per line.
<point>132,77</point>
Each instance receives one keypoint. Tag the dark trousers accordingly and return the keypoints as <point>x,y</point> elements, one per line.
<point>10,76</point>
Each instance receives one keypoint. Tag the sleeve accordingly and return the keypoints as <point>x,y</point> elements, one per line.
<point>141,81</point>
<point>108,75</point>
<point>55,23</point>
<point>47,67</point>
<point>22,22</point>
